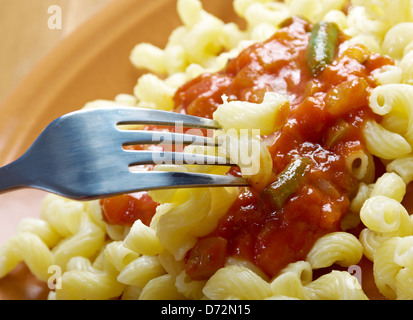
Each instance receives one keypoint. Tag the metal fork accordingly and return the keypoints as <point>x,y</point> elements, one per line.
<point>81,155</point>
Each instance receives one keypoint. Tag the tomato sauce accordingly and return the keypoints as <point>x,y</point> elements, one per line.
<point>324,125</point>
<point>126,209</point>
<point>253,229</point>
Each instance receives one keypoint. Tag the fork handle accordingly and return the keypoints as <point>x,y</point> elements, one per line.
<point>14,175</point>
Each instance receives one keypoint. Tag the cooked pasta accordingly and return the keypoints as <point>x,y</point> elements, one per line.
<point>236,283</point>
<point>403,167</point>
<point>161,288</point>
<point>390,185</point>
<point>292,280</point>
<point>267,117</point>
<point>385,215</point>
<point>29,248</point>
<point>341,248</point>
<point>82,281</point>
<point>140,271</point>
<point>384,143</point>
<point>325,143</point>
<point>143,240</point>
<point>361,164</point>
<point>394,101</point>
<point>335,285</point>
<point>85,243</point>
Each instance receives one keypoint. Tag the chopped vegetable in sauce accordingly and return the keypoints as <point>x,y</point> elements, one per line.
<point>322,48</point>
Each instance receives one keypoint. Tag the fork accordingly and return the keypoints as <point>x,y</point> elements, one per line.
<point>81,155</point>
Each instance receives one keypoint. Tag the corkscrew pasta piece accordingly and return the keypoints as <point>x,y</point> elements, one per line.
<point>161,288</point>
<point>385,215</point>
<point>140,271</point>
<point>341,248</point>
<point>190,289</point>
<point>390,185</point>
<point>28,248</point>
<point>292,281</point>
<point>267,117</point>
<point>143,240</point>
<point>41,228</point>
<point>62,214</point>
<point>394,102</point>
<point>403,167</point>
<point>336,285</point>
<point>86,242</point>
<point>236,283</point>
<point>383,143</point>
<point>82,281</point>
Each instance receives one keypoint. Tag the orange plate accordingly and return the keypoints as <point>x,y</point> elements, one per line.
<point>92,63</point>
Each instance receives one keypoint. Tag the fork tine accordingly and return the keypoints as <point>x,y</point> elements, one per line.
<point>135,115</point>
<point>133,158</point>
<point>169,180</point>
<point>130,137</point>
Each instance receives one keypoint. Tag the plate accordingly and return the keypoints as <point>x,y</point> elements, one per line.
<point>92,63</point>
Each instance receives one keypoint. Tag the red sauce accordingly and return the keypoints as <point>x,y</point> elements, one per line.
<point>126,209</point>
<point>253,229</point>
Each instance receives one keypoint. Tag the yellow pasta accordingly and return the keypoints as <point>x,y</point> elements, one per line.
<point>249,153</point>
<point>384,143</point>
<point>361,165</point>
<point>174,225</point>
<point>395,101</point>
<point>154,93</point>
<point>131,293</point>
<point>190,289</point>
<point>117,257</point>
<point>140,271</point>
<point>29,248</point>
<point>86,242</point>
<point>392,268</point>
<point>83,282</point>
<point>258,12</point>
<point>236,283</point>
<point>388,75</point>
<point>403,253</point>
<point>390,185</point>
<point>288,285</point>
<point>62,214</point>
<point>40,228</point>
<point>170,264</point>
<point>363,193</point>
<point>161,288</point>
<point>371,241</point>
<point>385,215</point>
<point>268,116</point>
<point>143,240</point>
<point>406,66</point>
<point>398,37</point>
<point>292,281</point>
<point>341,248</point>
<point>385,269</point>
<point>336,285</point>
<point>404,284</point>
<point>403,167</point>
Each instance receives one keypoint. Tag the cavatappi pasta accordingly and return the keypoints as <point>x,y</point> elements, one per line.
<point>81,254</point>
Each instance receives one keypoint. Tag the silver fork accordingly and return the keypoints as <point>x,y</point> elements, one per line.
<point>81,155</point>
